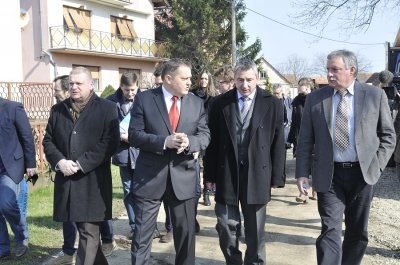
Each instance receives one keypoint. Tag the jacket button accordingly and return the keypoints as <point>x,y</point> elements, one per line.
<point>74,132</point>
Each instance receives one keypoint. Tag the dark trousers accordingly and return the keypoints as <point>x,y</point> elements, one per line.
<point>183,220</point>
<point>69,233</point>
<point>349,195</point>
<point>89,249</point>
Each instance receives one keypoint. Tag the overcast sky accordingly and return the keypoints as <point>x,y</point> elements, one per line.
<point>279,42</point>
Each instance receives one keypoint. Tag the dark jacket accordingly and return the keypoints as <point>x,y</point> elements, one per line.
<point>17,148</point>
<point>297,113</point>
<point>87,195</point>
<point>266,151</point>
<point>125,154</point>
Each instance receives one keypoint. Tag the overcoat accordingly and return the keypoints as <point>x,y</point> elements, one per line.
<point>85,196</point>
<point>266,151</point>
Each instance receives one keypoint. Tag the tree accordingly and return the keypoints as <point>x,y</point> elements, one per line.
<point>200,30</point>
<point>108,90</point>
<point>352,14</point>
<point>319,64</point>
<point>296,66</point>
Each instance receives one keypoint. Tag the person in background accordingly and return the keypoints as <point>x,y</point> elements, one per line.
<point>81,136</point>
<point>305,86</point>
<point>125,157</point>
<point>224,79</point>
<point>61,88</point>
<point>246,159</point>
<point>168,125</point>
<point>17,156</point>
<point>277,91</point>
<point>348,127</point>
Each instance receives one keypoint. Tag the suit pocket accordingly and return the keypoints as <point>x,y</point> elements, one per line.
<point>18,153</point>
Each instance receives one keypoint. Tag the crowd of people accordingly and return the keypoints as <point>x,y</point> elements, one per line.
<point>237,132</point>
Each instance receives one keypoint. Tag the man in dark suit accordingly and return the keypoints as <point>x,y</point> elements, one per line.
<point>246,158</point>
<point>81,136</point>
<point>348,126</point>
<point>168,125</point>
<point>17,155</point>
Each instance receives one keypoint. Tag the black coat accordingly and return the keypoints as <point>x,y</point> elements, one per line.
<point>266,152</point>
<point>297,113</point>
<point>85,196</point>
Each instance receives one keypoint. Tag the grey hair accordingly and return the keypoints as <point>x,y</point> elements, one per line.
<point>349,59</point>
<point>276,86</point>
<point>82,70</point>
<point>246,64</point>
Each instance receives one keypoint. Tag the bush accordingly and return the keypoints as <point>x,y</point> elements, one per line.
<point>107,91</point>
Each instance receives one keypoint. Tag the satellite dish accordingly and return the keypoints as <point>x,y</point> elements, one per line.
<point>23,18</point>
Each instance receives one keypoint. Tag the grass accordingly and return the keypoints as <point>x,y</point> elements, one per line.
<point>45,235</point>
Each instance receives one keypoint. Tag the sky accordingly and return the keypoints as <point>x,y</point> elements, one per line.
<point>279,42</point>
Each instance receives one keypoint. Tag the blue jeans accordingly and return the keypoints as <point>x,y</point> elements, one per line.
<point>126,174</point>
<point>9,210</point>
<point>23,198</point>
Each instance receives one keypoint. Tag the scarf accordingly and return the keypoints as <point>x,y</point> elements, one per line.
<point>78,107</point>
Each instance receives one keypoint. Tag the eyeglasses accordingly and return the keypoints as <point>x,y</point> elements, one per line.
<point>222,82</point>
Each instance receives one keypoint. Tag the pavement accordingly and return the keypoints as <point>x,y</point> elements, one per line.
<point>291,230</point>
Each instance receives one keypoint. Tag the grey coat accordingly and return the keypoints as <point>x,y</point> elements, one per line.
<point>374,135</point>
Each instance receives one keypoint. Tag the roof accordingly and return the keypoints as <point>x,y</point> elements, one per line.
<point>276,71</point>
<point>364,76</point>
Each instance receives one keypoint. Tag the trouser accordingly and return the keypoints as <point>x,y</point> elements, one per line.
<point>349,195</point>
<point>89,249</point>
<point>10,212</point>
<point>126,174</point>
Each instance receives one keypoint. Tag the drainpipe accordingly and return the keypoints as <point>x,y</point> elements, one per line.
<point>51,60</point>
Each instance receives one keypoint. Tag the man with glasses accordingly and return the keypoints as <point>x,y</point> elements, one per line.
<point>224,79</point>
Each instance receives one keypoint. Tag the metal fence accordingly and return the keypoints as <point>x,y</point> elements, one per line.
<point>37,99</point>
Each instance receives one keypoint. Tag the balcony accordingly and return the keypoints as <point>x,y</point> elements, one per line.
<point>93,41</point>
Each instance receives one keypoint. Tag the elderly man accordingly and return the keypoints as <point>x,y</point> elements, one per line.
<point>61,88</point>
<point>17,155</point>
<point>347,125</point>
<point>245,159</point>
<point>168,125</point>
<point>81,136</point>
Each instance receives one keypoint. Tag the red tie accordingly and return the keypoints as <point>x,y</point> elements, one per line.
<point>174,114</point>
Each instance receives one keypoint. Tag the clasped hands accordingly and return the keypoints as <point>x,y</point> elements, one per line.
<point>68,167</point>
<point>178,141</point>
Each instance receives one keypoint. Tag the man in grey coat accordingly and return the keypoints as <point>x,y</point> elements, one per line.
<point>81,136</point>
<point>349,127</point>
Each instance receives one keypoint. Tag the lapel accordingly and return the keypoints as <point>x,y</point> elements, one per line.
<point>261,108</point>
<point>158,97</point>
<point>327,105</point>
<point>184,113</point>
<point>359,102</point>
<point>229,106</point>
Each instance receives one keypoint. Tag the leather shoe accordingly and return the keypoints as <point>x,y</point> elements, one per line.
<point>197,227</point>
<point>166,238</point>
<point>21,250</point>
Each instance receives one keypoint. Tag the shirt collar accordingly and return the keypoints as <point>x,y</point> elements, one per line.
<point>166,93</point>
<point>350,89</point>
<point>251,96</point>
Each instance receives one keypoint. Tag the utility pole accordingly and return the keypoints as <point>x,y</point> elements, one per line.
<point>233,22</point>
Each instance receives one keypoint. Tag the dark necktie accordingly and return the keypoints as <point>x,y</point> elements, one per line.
<point>245,108</point>
<point>174,113</point>
<point>342,128</point>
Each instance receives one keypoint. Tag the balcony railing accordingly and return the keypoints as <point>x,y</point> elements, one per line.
<point>105,42</point>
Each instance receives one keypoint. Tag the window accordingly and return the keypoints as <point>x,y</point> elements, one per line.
<point>76,19</point>
<point>263,74</point>
<point>95,71</point>
<point>122,27</point>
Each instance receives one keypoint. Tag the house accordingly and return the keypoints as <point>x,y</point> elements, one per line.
<point>274,77</point>
<point>109,37</point>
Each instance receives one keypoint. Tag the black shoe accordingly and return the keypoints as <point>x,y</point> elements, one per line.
<point>167,237</point>
<point>206,199</point>
<point>197,227</point>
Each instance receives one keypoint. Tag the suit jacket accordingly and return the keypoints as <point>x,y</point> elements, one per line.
<point>374,135</point>
<point>17,148</point>
<point>266,151</point>
<point>85,196</point>
<point>149,126</point>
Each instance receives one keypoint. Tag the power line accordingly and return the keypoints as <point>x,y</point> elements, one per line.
<point>308,33</point>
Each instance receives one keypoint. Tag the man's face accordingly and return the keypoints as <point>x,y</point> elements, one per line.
<point>179,84</point>
<point>223,85</point>
<point>157,81</point>
<point>278,92</point>
<point>338,76</point>
<point>246,81</point>
<point>59,93</point>
<point>80,87</point>
<point>129,91</point>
